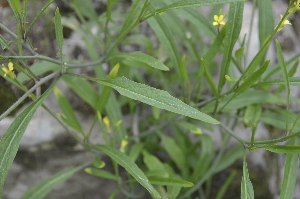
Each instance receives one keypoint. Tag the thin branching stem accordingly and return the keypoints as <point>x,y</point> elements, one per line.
<point>19,101</point>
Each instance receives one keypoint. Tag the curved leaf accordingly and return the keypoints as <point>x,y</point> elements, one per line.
<point>154,97</point>
<point>101,173</point>
<point>293,81</point>
<point>10,141</point>
<point>283,149</point>
<point>246,185</point>
<point>192,3</point>
<point>41,189</point>
<point>170,182</point>
<point>144,58</point>
<point>233,29</point>
<point>130,167</point>
<point>290,173</point>
<point>59,32</point>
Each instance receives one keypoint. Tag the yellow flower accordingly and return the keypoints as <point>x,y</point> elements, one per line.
<point>124,143</point>
<point>107,124</point>
<point>218,20</point>
<point>9,71</point>
<point>296,8</point>
<point>285,22</point>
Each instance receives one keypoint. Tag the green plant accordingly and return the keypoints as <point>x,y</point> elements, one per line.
<point>192,160</point>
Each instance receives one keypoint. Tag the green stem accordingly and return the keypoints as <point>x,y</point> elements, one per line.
<point>58,62</point>
<point>274,140</point>
<point>42,81</point>
<point>210,172</point>
<point>37,16</point>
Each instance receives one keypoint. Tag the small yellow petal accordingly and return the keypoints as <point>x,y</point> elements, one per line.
<point>124,143</point>
<point>216,17</point>
<point>215,23</point>
<point>4,69</point>
<point>221,17</point>
<point>223,22</point>
<point>230,79</point>
<point>107,124</point>
<point>10,66</point>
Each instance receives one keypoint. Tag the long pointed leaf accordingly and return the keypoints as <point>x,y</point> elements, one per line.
<point>170,182</point>
<point>266,20</point>
<point>154,97</point>
<point>59,32</point>
<point>246,185</point>
<point>283,149</point>
<point>167,39</point>
<point>293,81</point>
<point>130,167</point>
<point>10,141</point>
<point>233,30</point>
<point>286,78</point>
<point>41,189</point>
<point>144,58</point>
<point>192,3</point>
<point>290,173</point>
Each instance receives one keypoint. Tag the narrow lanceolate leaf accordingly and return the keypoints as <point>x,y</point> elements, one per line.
<point>166,37</point>
<point>293,81</point>
<point>144,58</point>
<point>233,29</point>
<point>110,5</point>
<point>16,8</point>
<point>170,182</point>
<point>10,141</point>
<point>249,81</point>
<point>107,90</point>
<point>58,32</point>
<point>154,97</point>
<point>41,189</point>
<point>266,20</point>
<point>290,173</point>
<point>285,76</point>
<point>101,173</point>
<point>192,3</point>
<point>246,185</point>
<point>215,47</point>
<point>130,167</point>
<point>283,149</point>
<point>174,151</point>
<point>67,109</point>
<point>4,43</point>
